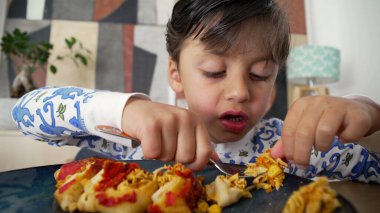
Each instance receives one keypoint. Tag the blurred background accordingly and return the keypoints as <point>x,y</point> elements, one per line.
<point>121,45</point>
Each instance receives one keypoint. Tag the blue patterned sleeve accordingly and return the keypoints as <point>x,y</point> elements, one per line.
<point>344,162</point>
<point>68,115</point>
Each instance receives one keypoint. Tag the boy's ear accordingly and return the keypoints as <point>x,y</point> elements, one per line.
<point>174,77</point>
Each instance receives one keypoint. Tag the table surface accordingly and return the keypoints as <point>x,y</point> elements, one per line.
<point>364,196</point>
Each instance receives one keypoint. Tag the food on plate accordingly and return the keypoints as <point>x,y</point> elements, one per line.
<point>179,190</point>
<point>100,185</point>
<point>204,207</point>
<point>69,181</point>
<point>268,173</point>
<point>118,187</point>
<point>317,196</point>
<point>104,185</point>
<point>226,190</point>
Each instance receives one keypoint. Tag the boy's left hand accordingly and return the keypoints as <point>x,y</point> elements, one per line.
<point>316,120</point>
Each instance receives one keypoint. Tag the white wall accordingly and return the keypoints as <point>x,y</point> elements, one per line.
<point>353,27</point>
<point>18,152</point>
<point>35,9</point>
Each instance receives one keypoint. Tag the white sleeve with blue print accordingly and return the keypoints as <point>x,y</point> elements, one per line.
<point>343,161</point>
<point>68,116</point>
<point>348,161</point>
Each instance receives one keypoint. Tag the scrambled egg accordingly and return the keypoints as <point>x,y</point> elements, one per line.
<point>268,173</point>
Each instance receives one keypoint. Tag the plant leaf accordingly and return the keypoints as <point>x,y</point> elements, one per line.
<point>53,69</point>
<point>70,42</point>
<point>82,58</point>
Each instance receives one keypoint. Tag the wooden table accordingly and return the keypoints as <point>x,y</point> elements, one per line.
<point>364,196</point>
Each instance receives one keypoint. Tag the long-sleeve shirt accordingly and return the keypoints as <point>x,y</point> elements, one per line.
<point>68,116</point>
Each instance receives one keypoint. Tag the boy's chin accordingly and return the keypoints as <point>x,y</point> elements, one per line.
<point>227,138</point>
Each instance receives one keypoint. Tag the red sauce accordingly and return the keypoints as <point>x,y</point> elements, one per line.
<point>194,192</point>
<point>113,201</point>
<point>186,188</point>
<point>187,192</point>
<point>187,173</point>
<point>66,186</point>
<point>93,170</point>
<point>171,198</point>
<point>77,166</point>
<point>191,191</point>
<point>114,173</point>
<point>154,209</point>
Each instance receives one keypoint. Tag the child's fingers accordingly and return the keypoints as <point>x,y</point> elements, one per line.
<point>203,149</point>
<point>151,143</point>
<point>186,145</point>
<point>327,129</point>
<point>357,124</point>
<point>277,150</point>
<point>168,142</point>
<point>289,130</point>
<point>305,134</point>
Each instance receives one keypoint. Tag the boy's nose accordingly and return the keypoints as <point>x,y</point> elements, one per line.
<point>237,90</point>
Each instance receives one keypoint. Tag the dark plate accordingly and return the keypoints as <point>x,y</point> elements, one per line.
<point>31,190</point>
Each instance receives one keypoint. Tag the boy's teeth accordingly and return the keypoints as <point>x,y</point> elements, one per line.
<point>235,119</point>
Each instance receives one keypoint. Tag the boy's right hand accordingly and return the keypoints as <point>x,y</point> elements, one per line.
<point>167,133</point>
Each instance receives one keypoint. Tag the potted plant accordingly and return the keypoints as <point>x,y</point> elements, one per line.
<point>27,57</point>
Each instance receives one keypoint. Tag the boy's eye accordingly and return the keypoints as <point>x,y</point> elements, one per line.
<point>214,74</point>
<point>255,77</point>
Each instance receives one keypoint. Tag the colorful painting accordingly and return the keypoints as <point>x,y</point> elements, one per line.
<point>125,37</point>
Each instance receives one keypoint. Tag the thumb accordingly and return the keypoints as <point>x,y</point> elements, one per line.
<point>277,150</point>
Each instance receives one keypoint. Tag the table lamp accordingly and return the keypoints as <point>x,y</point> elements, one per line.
<point>311,66</point>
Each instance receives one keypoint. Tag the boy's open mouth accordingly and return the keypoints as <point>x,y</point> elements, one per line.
<point>233,118</point>
<point>234,121</point>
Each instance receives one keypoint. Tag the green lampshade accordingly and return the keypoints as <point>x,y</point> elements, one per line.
<point>321,64</point>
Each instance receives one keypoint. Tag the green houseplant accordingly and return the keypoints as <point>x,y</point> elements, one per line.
<point>27,57</point>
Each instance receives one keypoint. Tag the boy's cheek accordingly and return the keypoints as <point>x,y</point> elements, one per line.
<point>201,100</point>
<point>203,110</point>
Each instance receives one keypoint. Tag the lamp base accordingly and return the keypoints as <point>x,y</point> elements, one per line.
<point>302,91</point>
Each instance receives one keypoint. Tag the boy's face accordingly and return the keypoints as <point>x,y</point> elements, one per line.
<point>231,92</point>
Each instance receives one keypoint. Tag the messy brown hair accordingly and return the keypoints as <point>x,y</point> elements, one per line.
<point>217,24</point>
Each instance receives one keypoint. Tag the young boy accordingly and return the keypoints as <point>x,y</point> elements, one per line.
<point>224,59</point>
